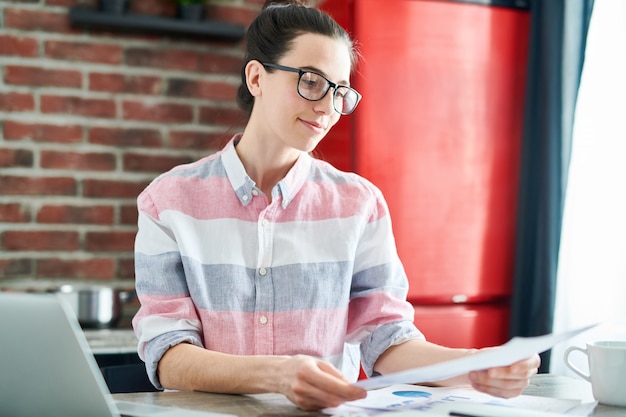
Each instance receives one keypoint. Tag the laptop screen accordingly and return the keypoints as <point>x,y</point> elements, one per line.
<point>46,367</point>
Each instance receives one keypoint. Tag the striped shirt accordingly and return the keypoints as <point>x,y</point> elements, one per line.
<point>315,271</point>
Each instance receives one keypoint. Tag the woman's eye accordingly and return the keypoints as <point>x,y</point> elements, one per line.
<point>311,80</point>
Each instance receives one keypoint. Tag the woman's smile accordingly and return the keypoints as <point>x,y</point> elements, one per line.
<point>318,127</point>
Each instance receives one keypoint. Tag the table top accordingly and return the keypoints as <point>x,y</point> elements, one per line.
<point>241,405</point>
<point>543,385</point>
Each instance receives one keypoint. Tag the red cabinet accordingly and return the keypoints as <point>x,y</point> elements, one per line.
<point>439,131</point>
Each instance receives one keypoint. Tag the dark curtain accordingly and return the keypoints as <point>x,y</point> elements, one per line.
<point>558,36</point>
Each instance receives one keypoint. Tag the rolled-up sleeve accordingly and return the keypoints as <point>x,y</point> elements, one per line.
<point>379,315</point>
<point>167,315</point>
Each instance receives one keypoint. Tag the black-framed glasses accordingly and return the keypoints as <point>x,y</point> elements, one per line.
<point>314,87</point>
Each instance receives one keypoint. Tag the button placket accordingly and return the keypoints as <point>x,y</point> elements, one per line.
<point>264,285</point>
<point>265,231</point>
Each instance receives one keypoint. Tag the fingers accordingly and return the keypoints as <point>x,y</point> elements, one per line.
<point>311,398</point>
<point>506,381</point>
<point>317,392</point>
<point>318,384</point>
<point>505,388</point>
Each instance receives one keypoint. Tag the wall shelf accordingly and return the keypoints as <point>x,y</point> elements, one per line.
<point>137,23</point>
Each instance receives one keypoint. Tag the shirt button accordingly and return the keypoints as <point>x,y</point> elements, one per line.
<point>255,192</point>
<point>264,222</point>
<point>245,197</point>
<point>263,320</point>
<point>262,272</point>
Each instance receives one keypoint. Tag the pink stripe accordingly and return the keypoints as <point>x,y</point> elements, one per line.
<point>192,196</point>
<point>334,201</point>
<point>318,333</point>
<point>377,309</point>
<point>179,307</point>
<point>200,198</point>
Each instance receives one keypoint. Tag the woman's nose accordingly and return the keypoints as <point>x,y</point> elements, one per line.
<point>325,104</point>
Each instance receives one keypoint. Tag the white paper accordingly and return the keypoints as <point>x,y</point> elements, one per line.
<point>425,399</point>
<point>514,350</point>
<point>399,397</point>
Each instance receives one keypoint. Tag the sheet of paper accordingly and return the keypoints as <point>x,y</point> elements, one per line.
<point>514,350</point>
<point>403,397</point>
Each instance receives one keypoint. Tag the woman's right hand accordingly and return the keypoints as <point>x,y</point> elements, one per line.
<point>313,384</point>
<point>309,383</point>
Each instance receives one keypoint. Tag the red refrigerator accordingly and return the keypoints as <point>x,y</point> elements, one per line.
<point>439,131</point>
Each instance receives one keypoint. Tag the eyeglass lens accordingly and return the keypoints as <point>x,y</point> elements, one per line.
<point>313,87</point>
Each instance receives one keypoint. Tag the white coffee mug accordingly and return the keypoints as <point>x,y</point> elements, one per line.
<point>607,370</point>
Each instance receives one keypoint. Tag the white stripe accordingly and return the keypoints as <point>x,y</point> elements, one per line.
<point>218,241</point>
<point>377,246</point>
<point>152,238</point>
<point>332,240</point>
<point>213,241</point>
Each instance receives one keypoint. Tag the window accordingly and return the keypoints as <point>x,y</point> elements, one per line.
<point>592,261</point>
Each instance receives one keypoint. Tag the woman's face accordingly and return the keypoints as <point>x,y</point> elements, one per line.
<point>295,121</point>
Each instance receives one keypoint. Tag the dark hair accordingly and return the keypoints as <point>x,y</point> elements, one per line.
<point>271,35</point>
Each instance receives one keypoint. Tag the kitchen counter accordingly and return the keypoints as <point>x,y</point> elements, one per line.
<point>111,341</point>
<point>53,285</point>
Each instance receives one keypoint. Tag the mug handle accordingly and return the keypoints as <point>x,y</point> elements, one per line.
<point>571,366</point>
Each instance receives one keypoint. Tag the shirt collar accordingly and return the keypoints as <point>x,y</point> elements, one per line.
<point>245,187</point>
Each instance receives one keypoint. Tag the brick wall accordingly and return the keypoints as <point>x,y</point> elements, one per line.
<point>88,118</point>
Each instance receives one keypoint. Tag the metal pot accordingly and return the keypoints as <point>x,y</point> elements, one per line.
<point>96,307</point>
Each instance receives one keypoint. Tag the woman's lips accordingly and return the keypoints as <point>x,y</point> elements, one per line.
<point>314,125</point>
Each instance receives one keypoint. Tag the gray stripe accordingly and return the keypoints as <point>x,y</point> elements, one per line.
<point>166,270</point>
<point>236,288</point>
<point>390,276</point>
<point>284,288</point>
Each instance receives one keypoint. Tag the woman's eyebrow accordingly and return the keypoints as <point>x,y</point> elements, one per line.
<point>319,71</point>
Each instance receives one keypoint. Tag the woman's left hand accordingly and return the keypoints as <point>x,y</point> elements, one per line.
<point>505,381</point>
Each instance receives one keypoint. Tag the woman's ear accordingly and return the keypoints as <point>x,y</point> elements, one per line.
<point>254,73</point>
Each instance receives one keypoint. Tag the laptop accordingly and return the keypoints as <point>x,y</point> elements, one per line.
<point>47,368</point>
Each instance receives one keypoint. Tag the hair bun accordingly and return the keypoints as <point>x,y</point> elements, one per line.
<point>302,3</point>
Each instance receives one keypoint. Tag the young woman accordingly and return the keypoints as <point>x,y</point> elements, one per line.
<point>262,269</point>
